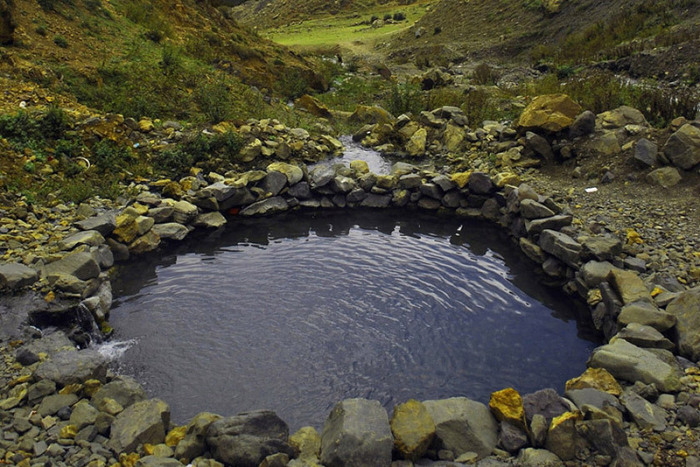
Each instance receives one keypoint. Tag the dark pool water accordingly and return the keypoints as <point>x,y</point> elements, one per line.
<point>297,312</point>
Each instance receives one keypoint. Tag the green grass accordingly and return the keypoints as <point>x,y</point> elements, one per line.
<point>345,29</point>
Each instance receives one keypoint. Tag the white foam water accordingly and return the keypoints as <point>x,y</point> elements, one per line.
<point>114,350</point>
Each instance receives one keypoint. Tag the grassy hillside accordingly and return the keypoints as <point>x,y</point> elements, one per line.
<point>580,31</point>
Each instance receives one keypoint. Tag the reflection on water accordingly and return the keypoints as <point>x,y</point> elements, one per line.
<point>294,313</point>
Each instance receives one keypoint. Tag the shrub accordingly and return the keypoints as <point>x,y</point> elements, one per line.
<point>404,98</point>
<point>60,41</point>
<point>399,16</point>
<point>171,60</point>
<point>108,156</point>
<point>54,123</point>
<point>42,30</point>
<point>484,74</point>
<point>215,101</point>
<point>292,84</point>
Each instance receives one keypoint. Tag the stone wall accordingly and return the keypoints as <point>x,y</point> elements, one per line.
<point>642,378</point>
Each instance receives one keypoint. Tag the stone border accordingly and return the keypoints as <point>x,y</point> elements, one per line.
<point>358,432</point>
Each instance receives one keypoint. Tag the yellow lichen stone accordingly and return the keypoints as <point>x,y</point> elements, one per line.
<point>551,112</point>
<point>111,406</point>
<point>128,460</point>
<point>140,208</point>
<point>506,178</point>
<point>596,378</point>
<point>92,386</point>
<point>68,432</point>
<point>563,418</point>
<point>461,178</point>
<point>360,167</point>
<point>413,429</point>
<point>656,291</point>
<point>386,182</point>
<point>148,449</point>
<point>507,406</point>
<point>71,389</point>
<point>175,435</point>
<point>306,442</point>
<point>633,237</point>
<point>50,297</point>
<point>146,125</point>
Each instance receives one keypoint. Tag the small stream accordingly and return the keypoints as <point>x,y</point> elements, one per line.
<point>297,312</point>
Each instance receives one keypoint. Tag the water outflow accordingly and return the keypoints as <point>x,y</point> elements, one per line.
<point>295,313</point>
<point>377,163</point>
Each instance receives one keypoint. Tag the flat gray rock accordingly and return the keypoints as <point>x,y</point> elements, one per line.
<point>357,432</point>
<point>644,413</point>
<point>686,309</point>
<point>561,246</point>
<point>631,363</point>
<point>73,367</point>
<point>266,207</point>
<point>143,422</point>
<point>248,438</point>
<point>16,275</point>
<point>87,237</point>
<point>211,220</point>
<point>646,313</point>
<point>171,231</point>
<point>104,223</point>
<point>80,264</point>
<point>463,425</point>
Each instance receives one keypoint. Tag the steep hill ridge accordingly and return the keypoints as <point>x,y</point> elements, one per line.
<point>578,30</point>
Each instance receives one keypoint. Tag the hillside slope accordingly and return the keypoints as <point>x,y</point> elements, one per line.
<point>265,14</point>
<point>580,30</point>
<point>157,51</point>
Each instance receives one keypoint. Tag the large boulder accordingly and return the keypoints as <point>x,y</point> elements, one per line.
<point>124,390</point>
<point>561,246</point>
<point>16,275</point>
<point>683,147</point>
<point>549,113</point>
<point>80,264</point>
<point>313,106</point>
<point>356,432</point>
<point>370,114</point>
<point>246,439</point>
<point>413,429</point>
<point>631,363</point>
<point>686,309</point>
<point>463,425</point>
<point>143,422</point>
<point>620,117</point>
<point>194,444</point>
<point>73,367</point>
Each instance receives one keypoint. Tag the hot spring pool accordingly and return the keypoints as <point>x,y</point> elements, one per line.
<point>297,312</point>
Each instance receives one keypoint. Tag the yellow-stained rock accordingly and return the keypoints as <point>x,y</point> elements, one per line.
<point>173,190</point>
<point>596,378</point>
<point>562,438</point>
<point>145,243</point>
<point>550,112</point>
<point>68,432</point>
<point>293,173</point>
<point>506,178</point>
<point>306,443</point>
<point>386,182</point>
<point>370,114</point>
<point>128,460</point>
<point>72,389</point>
<point>461,178</point>
<point>223,127</point>
<point>416,145</point>
<point>413,429</point>
<point>360,167</point>
<point>146,125</point>
<point>140,208</point>
<point>175,435</point>
<point>507,406</point>
<point>111,406</point>
<point>127,229</point>
<point>313,106</point>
